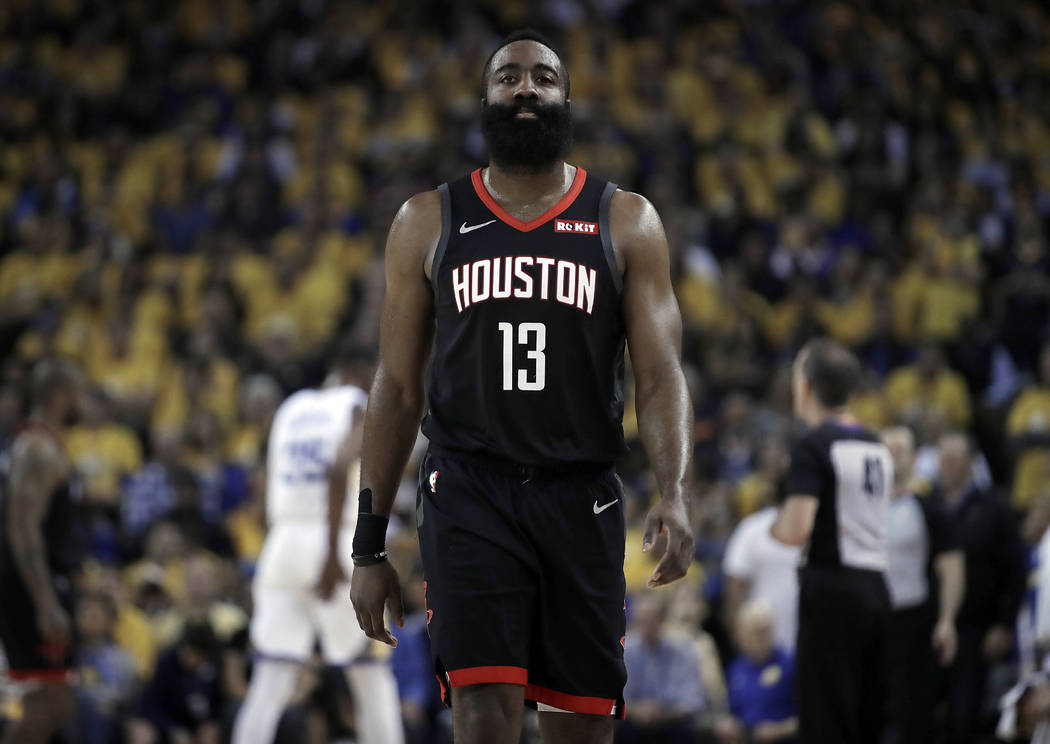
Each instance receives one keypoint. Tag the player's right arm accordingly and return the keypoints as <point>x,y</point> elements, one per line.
<point>395,403</point>
<point>36,467</point>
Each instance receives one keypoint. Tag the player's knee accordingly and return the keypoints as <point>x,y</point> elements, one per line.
<point>488,707</point>
<point>51,706</point>
<point>576,728</point>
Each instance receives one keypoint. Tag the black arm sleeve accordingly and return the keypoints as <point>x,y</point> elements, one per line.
<point>938,527</point>
<point>807,473</point>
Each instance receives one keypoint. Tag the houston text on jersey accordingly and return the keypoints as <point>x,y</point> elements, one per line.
<point>524,277</point>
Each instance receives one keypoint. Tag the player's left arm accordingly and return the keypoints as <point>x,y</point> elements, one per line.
<point>338,475</point>
<point>794,522</point>
<point>665,412</point>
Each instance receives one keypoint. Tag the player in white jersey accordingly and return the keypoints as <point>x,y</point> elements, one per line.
<point>301,588</point>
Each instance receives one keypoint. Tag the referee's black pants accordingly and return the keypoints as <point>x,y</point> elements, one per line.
<point>839,664</point>
<point>912,674</point>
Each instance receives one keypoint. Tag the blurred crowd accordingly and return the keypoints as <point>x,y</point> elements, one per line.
<point>193,203</point>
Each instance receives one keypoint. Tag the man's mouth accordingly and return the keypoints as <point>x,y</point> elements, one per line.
<point>525,114</point>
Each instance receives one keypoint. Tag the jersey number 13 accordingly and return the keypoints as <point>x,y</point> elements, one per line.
<point>533,336</point>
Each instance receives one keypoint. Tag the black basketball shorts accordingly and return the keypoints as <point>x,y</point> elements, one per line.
<point>29,658</point>
<point>524,580</point>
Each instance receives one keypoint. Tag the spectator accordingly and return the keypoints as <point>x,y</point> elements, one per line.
<point>104,451</point>
<point>200,598</point>
<point>686,616</point>
<point>758,567</point>
<point>182,703</point>
<point>1028,429</point>
<point>664,693</point>
<point>760,488</point>
<point>149,494</point>
<point>106,672</point>
<point>1033,622</point>
<point>761,681</point>
<point>928,383</point>
<point>926,583</point>
<point>995,580</point>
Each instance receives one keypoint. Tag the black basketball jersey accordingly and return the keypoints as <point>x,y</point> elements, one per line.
<point>529,338</point>
<point>850,472</point>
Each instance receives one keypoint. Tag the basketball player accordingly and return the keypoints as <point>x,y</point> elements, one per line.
<point>39,554</point>
<point>838,492</point>
<point>315,437</point>
<point>528,275</point>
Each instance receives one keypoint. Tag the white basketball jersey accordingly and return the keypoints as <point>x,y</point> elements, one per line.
<point>306,433</point>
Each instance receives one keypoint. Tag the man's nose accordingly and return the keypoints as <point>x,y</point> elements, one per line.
<point>526,88</point>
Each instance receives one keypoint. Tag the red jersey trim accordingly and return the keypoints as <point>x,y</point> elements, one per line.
<point>573,703</point>
<point>488,674</point>
<point>40,675</point>
<point>570,196</point>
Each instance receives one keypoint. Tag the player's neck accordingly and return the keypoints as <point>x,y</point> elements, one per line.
<point>527,187</point>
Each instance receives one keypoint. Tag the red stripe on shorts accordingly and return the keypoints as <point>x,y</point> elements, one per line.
<point>572,703</point>
<point>40,675</point>
<point>488,674</point>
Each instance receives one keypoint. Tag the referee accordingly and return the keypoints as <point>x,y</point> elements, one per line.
<point>838,491</point>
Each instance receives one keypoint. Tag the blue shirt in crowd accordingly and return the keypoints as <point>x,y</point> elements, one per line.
<point>762,693</point>
<point>666,672</point>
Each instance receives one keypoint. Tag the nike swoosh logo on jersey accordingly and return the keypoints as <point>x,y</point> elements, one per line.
<point>463,229</point>
<point>603,507</point>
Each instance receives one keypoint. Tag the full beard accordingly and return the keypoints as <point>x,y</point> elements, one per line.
<point>527,145</point>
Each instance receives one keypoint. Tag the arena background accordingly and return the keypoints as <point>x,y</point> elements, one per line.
<point>194,197</point>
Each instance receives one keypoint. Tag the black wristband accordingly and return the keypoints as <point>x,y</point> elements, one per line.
<point>368,560</point>
<point>370,535</point>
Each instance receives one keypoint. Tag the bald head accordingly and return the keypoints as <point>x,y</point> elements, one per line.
<point>754,628</point>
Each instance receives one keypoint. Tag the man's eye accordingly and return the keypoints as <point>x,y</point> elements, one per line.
<point>507,79</point>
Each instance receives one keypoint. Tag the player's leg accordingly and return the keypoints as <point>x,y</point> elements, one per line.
<point>272,685</point>
<point>575,728</point>
<point>576,668</point>
<point>480,591</point>
<point>49,700</point>
<point>487,713</point>
<point>377,705</point>
<point>45,709</point>
<point>282,636</point>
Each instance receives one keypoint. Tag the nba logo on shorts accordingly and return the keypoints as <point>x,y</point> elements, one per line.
<point>433,480</point>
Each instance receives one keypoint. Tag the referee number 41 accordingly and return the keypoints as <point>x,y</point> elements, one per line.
<point>533,336</point>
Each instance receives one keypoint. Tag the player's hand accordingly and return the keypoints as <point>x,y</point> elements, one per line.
<point>997,642</point>
<point>728,730</point>
<point>372,588</point>
<point>670,519</point>
<point>52,623</point>
<point>945,641</point>
<point>332,574</point>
